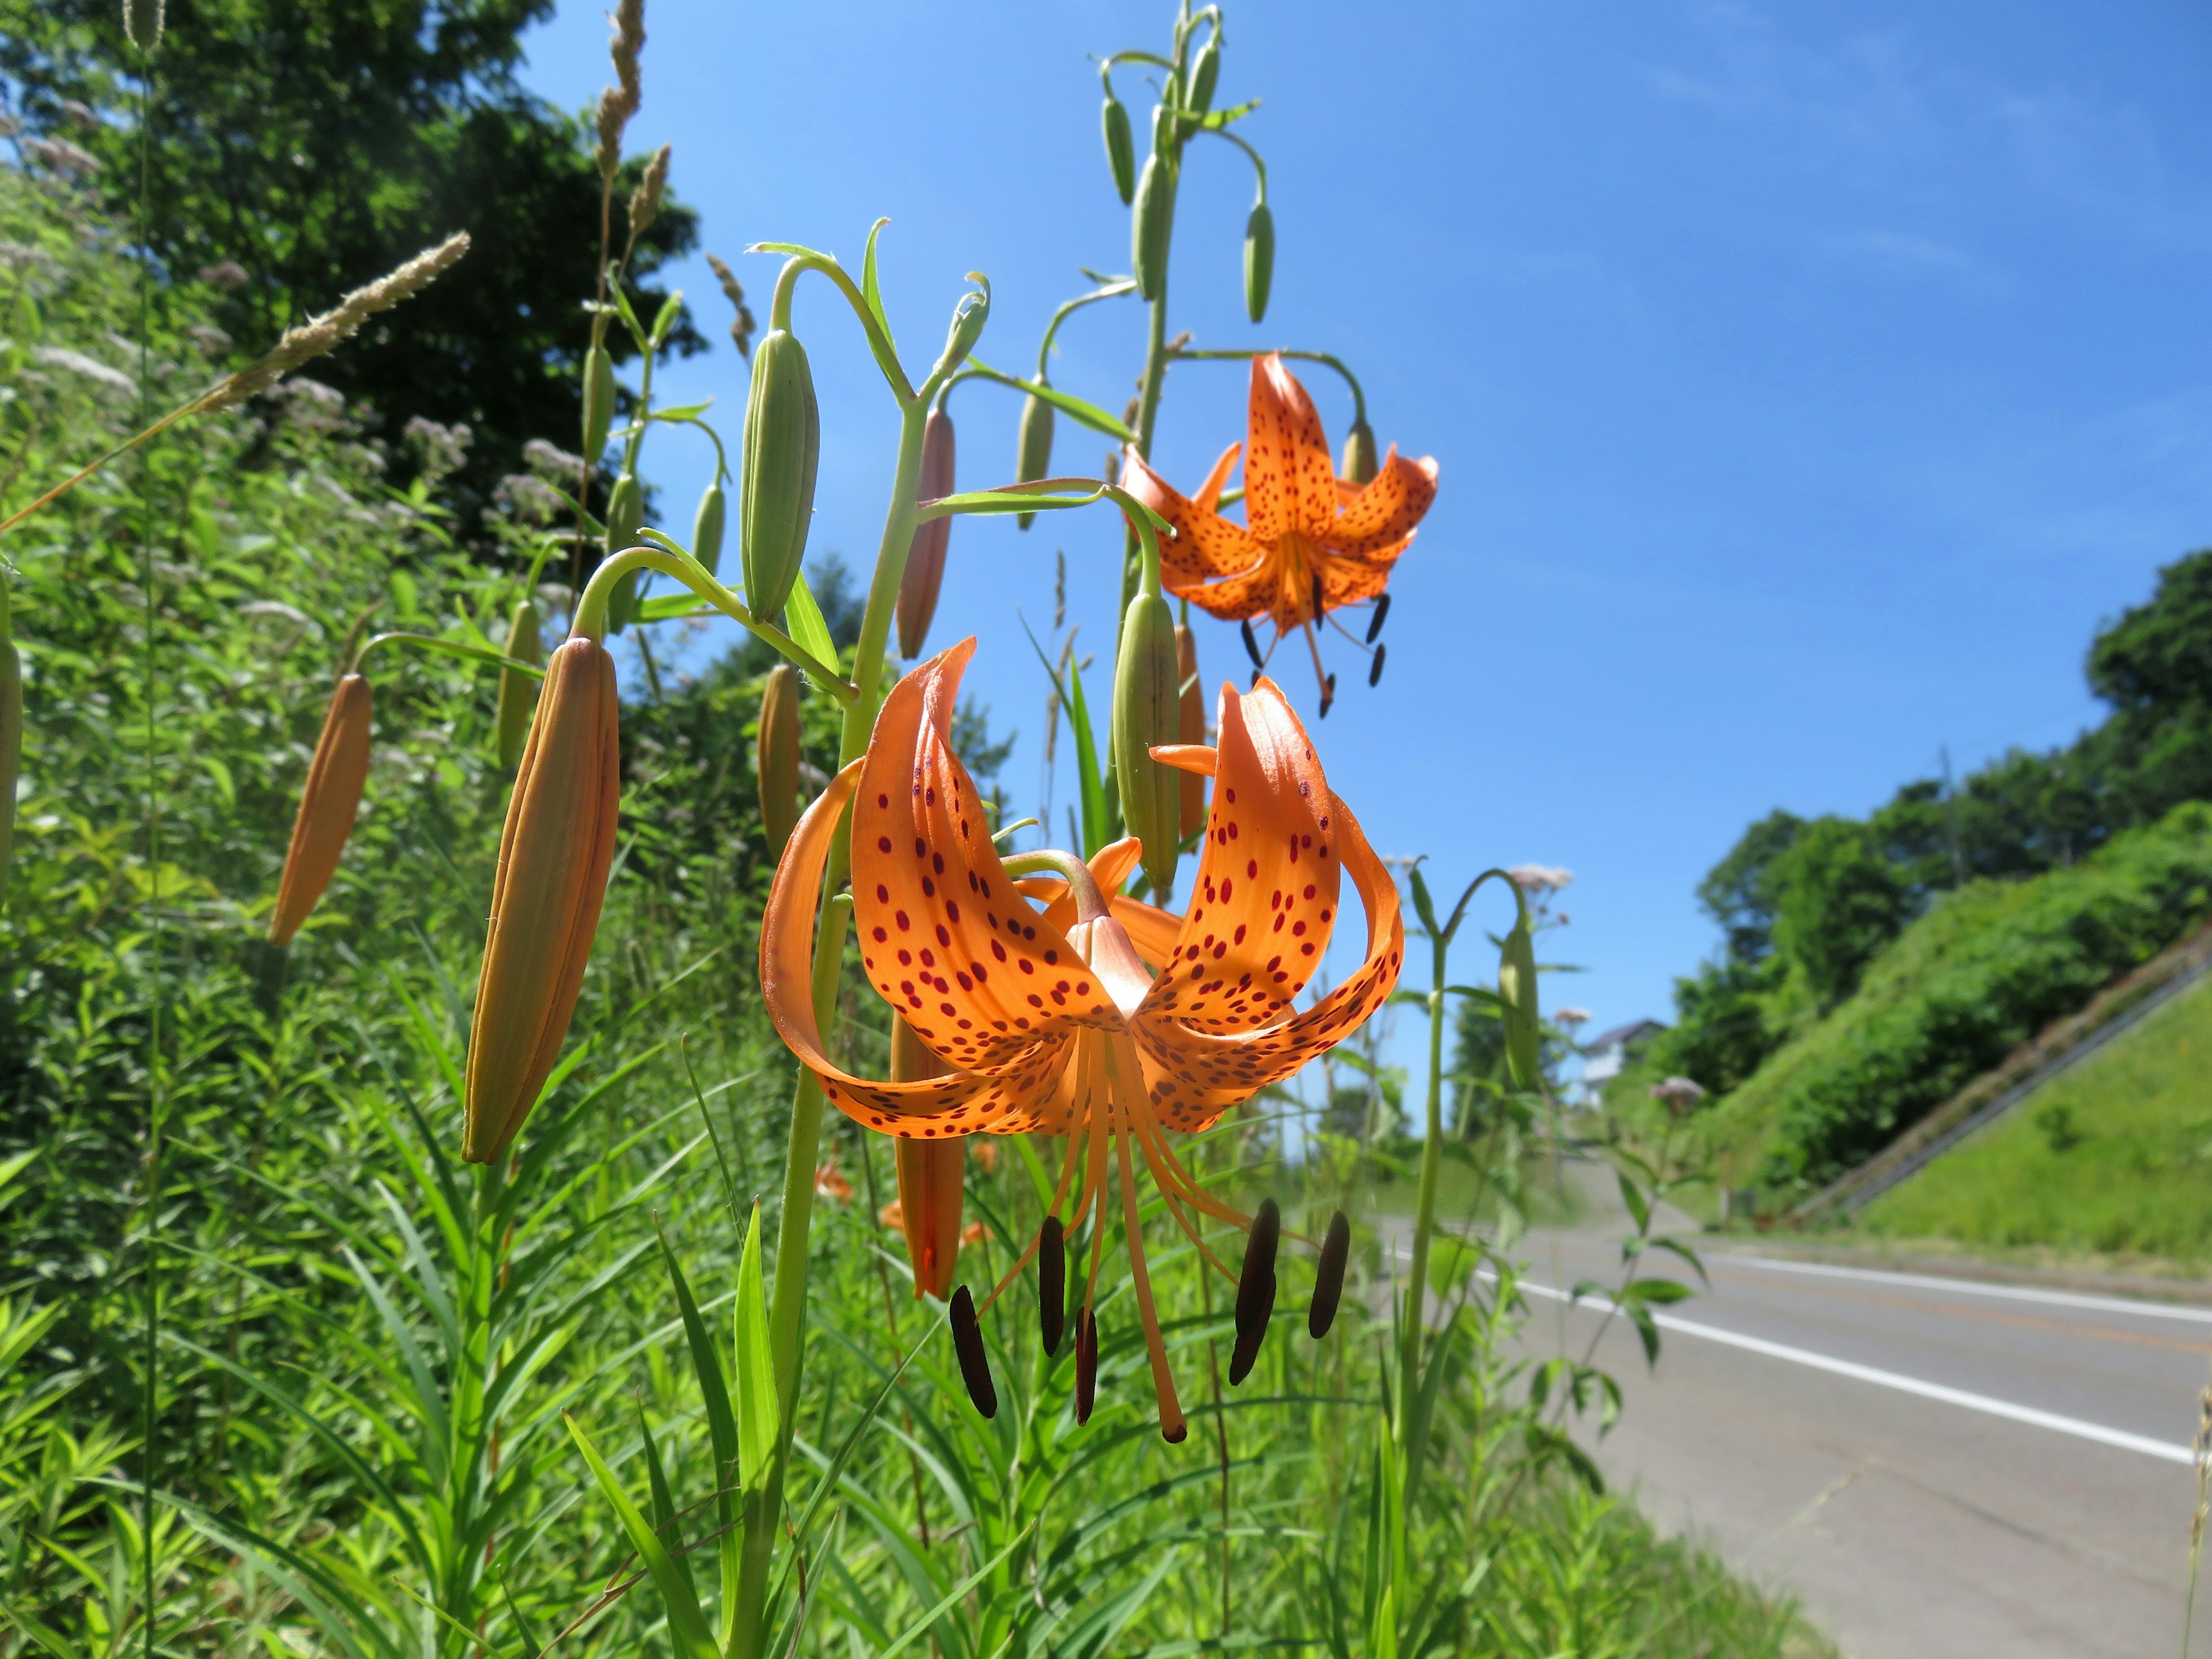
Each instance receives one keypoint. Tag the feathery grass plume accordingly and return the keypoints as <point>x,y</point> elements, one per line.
<point>645,200</point>
<point>329,802</point>
<point>142,23</point>
<point>318,335</point>
<point>924,575</point>
<point>619,102</point>
<point>930,1176</point>
<point>776,757</point>
<point>741,326</point>
<point>518,692</point>
<point>554,855</point>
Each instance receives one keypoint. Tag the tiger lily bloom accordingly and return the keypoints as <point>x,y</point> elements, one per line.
<point>1311,542</point>
<point>1099,1019</point>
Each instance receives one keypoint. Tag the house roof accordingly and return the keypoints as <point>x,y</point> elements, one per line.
<point>1621,1036</point>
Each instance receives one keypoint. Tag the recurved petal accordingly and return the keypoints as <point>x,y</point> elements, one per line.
<point>1350,581</point>
<point>1110,867</point>
<point>931,1175</point>
<point>1192,1075</point>
<point>1234,599</point>
<point>944,937</point>
<point>1209,493</point>
<point>1290,482</point>
<point>1386,510</point>
<point>1266,893</point>
<point>1205,545</point>
<point>1150,929</point>
<point>957,1103</point>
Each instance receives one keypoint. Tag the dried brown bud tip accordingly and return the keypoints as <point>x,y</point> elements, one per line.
<point>328,803</point>
<point>968,1344</point>
<point>1328,1278</point>
<point>1052,1283</point>
<point>1086,1367</point>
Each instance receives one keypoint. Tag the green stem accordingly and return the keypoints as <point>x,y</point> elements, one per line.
<point>1411,1432</point>
<point>591,620</point>
<point>1359,395</point>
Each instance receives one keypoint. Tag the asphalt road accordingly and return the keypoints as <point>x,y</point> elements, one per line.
<point>1937,1468</point>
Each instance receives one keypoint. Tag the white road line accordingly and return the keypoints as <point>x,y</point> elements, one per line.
<point>1976,1287</point>
<point>1979,1403</point>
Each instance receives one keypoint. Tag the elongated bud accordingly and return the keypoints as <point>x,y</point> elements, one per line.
<point>925,556</point>
<point>1087,1366</point>
<point>1148,711</point>
<point>706,528</point>
<point>1121,147</point>
<point>554,855</point>
<point>1051,1284</point>
<point>1256,1290</point>
<point>777,756</point>
<point>775,485</point>
<point>967,1346</point>
<point>1329,1277</point>
<point>969,317</point>
<point>1361,463</point>
<point>1517,984</point>
<point>1033,453</point>
<point>930,1174</point>
<point>518,693</point>
<point>328,803</point>
<point>142,23</point>
<point>1204,72</point>
<point>1258,260</point>
<point>1190,726</point>
<point>1150,226</point>
<point>598,401</point>
<point>625,512</point>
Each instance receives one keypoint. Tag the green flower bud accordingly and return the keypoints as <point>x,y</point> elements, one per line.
<point>625,511</point>
<point>776,757</point>
<point>518,692</point>
<point>1148,710</point>
<point>1033,454</point>
<point>1166,129</point>
<point>1258,260</point>
<point>598,401</point>
<point>1121,147</point>
<point>706,528</point>
<point>968,317</point>
<point>1151,227</point>
<point>925,558</point>
<point>141,25</point>
<point>1360,461</point>
<point>1517,984</point>
<point>776,484</point>
<point>1203,73</point>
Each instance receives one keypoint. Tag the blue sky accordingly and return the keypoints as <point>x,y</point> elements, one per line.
<point>1807,381</point>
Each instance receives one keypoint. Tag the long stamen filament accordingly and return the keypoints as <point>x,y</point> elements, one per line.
<point>1036,1238</point>
<point>1172,1428</point>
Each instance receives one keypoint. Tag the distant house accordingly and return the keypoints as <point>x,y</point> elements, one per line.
<point>1609,1053</point>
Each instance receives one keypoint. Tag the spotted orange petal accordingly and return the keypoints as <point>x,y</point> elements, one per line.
<point>1386,511</point>
<point>1290,482</point>
<point>1205,545</point>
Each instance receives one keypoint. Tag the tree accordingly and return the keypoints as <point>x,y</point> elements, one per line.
<point>1738,892</point>
<point>304,147</point>
<point>1722,1026</point>
<point>2158,656</point>
<point>1838,902</point>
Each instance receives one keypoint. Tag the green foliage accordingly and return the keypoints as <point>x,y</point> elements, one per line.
<point>1839,902</point>
<point>314,144</point>
<point>2109,1158</point>
<point>1975,976</point>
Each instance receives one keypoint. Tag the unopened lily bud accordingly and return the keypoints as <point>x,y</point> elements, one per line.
<point>1258,260</point>
<point>598,401</point>
<point>776,757</point>
<point>930,1175</point>
<point>518,692</point>
<point>142,23</point>
<point>706,528</point>
<point>329,801</point>
<point>554,855</point>
<point>1190,726</point>
<point>1033,450</point>
<point>1204,72</point>
<point>776,484</point>
<point>1121,147</point>
<point>1148,712</point>
<point>1152,225</point>
<point>925,558</point>
<point>1361,463</point>
<point>625,512</point>
<point>969,317</point>
<point>1516,985</point>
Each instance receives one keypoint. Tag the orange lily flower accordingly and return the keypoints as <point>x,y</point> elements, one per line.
<point>1104,1021</point>
<point>1311,542</point>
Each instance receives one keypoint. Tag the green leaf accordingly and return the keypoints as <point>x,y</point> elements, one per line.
<point>671,309</point>
<point>674,607</point>
<point>681,413</point>
<point>1097,829</point>
<point>721,1421</point>
<point>1089,413</point>
<point>664,1501</point>
<point>687,1625</point>
<point>759,1414</point>
<point>1665,1293</point>
<point>920,1628</point>
<point>869,291</point>
<point>1633,1195</point>
<point>803,621</point>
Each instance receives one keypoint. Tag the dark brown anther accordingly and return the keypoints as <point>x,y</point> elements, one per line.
<point>1256,679</point>
<point>1175,1435</point>
<point>1087,1366</point>
<point>1251,645</point>
<point>1375,622</point>
<point>1328,1280</point>
<point>967,1343</point>
<point>1317,597</point>
<point>1375,668</point>
<point>1256,1290</point>
<point>1327,694</point>
<point>1051,1284</point>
